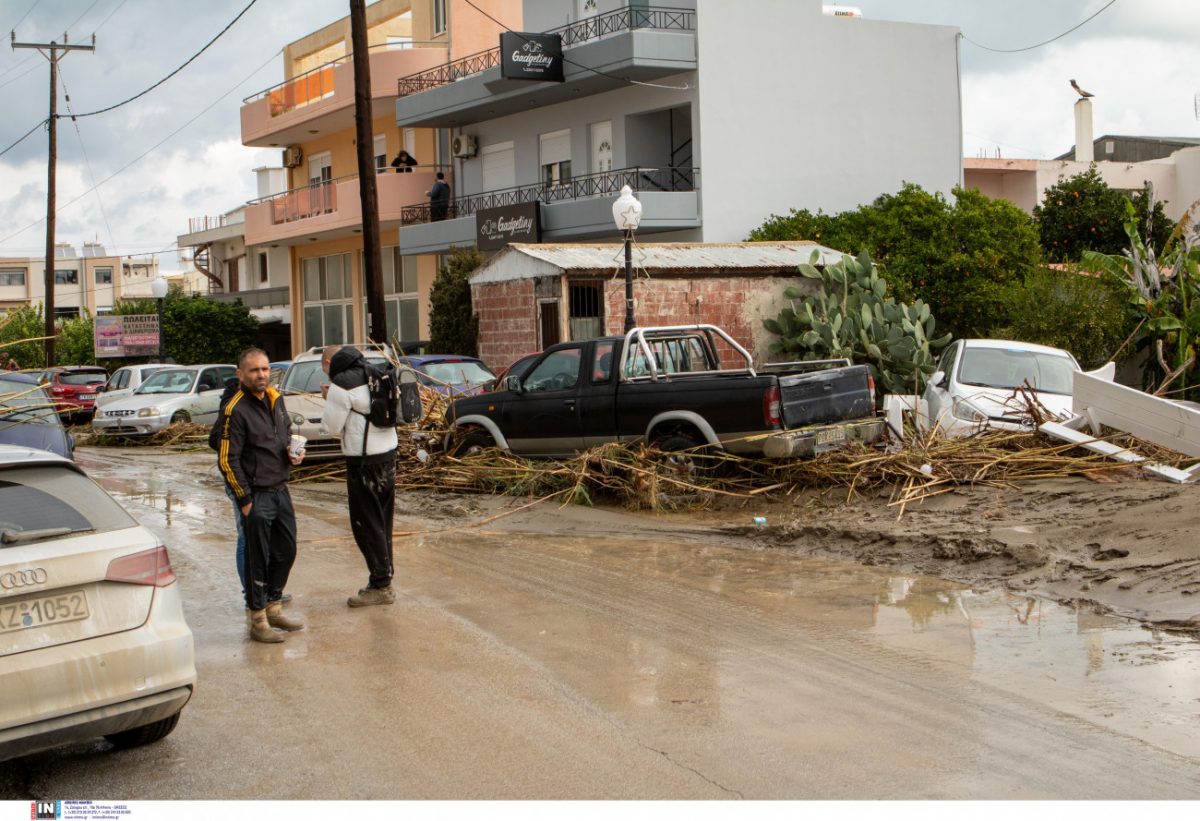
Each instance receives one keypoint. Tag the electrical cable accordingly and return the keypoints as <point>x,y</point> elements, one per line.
<point>1036,45</point>
<point>85,14</point>
<point>86,160</point>
<point>176,71</point>
<point>12,80</point>
<point>22,138</point>
<point>26,14</point>
<point>17,65</point>
<point>141,156</point>
<point>110,14</point>
<point>579,65</point>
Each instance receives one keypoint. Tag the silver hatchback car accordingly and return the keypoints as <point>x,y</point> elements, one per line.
<point>92,636</point>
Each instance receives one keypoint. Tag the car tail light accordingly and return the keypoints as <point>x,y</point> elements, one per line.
<point>772,407</point>
<point>57,391</point>
<point>871,387</point>
<point>147,567</point>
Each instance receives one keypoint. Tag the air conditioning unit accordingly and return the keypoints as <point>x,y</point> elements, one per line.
<point>464,145</point>
<point>292,155</point>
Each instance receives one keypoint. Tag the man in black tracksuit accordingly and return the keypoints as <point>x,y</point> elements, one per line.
<point>254,462</point>
<point>370,453</point>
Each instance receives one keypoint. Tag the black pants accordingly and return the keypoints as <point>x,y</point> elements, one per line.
<point>270,546</point>
<point>371,490</point>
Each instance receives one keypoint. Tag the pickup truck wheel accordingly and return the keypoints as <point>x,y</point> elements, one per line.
<point>472,442</point>
<point>684,456</point>
<point>180,416</point>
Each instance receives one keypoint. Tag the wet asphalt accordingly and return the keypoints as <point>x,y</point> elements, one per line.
<point>555,655</point>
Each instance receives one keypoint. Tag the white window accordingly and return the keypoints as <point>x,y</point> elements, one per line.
<point>320,168</point>
<point>601,136</point>
<point>12,276</point>
<point>499,167</point>
<point>554,157</point>
<point>103,276</point>
<point>400,295</point>
<point>381,160</point>
<point>439,16</point>
<point>328,304</point>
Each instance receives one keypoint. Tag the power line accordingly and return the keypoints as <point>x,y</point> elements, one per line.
<point>176,71</point>
<point>21,139</point>
<point>29,70</point>
<point>138,158</point>
<point>110,14</point>
<point>26,14</point>
<point>1036,45</point>
<point>17,65</point>
<point>579,65</point>
<point>85,14</point>
<point>87,161</point>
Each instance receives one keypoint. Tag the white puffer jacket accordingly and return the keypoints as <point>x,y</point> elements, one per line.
<point>343,417</point>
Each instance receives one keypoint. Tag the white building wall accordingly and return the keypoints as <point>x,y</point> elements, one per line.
<point>801,110</point>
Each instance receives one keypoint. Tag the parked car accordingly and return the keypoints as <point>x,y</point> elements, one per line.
<point>278,371</point>
<point>92,634</point>
<point>175,394</point>
<point>450,374</point>
<point>74,389</point>
<point>301,388</point>
<point>667,386</point>
<point>27,416</point>
<point>125,381</point>
<point>977,381</point>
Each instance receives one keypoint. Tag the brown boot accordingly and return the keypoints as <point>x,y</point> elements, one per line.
<point>276,618</point>
<point>372,595</point>
<point>260,628</point>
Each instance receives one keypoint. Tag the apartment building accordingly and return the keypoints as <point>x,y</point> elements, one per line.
<point>89,279</point>
<point>716,114</point>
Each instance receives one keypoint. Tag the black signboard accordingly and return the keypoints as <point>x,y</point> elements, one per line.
<point>531,57</point>
<point>497,227</point>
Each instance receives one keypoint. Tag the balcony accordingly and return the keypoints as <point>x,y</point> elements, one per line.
<point>578,209</point>
<point>601,53</point>
<point>332,209</point>
<point>321,101</point>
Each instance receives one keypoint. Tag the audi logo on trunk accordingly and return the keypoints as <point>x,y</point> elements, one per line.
<point>23,578</point>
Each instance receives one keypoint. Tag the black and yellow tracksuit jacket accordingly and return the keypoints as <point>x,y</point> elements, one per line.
<point>254,439</point>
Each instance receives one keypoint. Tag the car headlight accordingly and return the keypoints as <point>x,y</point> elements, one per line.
<point>297,419</point>
<point>964,410</point>
<point>149,412</point>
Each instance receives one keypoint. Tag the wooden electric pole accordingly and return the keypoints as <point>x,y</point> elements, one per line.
<point>53,52</point>
<point>365,132</point>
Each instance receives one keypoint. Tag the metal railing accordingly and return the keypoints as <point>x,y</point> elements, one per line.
<point>604,183</point>
<point>198,224</point>
<point>582,31</point>
<point>306,201</point>
<point>317,83</point>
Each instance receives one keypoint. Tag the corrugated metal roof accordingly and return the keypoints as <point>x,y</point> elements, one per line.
<point>678,256</point>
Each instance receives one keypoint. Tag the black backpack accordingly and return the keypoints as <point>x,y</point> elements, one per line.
<point>394,396</point>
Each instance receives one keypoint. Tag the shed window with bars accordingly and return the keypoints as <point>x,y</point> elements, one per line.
<point>586,316</point>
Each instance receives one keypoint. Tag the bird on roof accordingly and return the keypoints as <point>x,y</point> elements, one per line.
<point>1082,93</point>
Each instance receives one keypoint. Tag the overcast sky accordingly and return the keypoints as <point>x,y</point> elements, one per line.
<point>1138,57</point>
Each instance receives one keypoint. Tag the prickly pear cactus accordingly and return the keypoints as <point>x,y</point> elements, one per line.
<point>852,316</point>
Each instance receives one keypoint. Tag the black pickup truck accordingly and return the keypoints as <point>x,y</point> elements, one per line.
<point>667,386</point>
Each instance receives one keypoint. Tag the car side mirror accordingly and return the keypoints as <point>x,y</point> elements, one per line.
<point>937,379</point>
<point>513,384</point>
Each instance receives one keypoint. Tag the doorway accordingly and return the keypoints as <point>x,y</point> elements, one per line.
<point>548,327</point>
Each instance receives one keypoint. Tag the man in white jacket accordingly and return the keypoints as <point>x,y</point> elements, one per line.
<point>370,453</point>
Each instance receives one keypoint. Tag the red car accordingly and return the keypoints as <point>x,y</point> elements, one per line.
<point>73,389</point>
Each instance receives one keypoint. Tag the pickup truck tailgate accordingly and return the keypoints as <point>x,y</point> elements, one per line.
<point>826,396</point>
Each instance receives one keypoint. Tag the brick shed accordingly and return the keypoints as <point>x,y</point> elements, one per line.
<point>531,296</point>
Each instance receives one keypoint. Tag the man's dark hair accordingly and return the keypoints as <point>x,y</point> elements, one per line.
<point>441,176</point>
<point>250,352</point>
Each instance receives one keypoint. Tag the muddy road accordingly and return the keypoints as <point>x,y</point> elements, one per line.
<point>591,653</point>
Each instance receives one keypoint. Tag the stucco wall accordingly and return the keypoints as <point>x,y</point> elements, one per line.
<point>801,110</point>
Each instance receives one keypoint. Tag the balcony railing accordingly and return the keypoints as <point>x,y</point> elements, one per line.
<point>317,83</point>
<point>198,224</point>
<point>593,28</point>
<point>605,183</point>
<point>303,202</point>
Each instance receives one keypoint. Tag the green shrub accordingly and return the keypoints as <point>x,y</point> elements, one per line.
<point>453,325</point>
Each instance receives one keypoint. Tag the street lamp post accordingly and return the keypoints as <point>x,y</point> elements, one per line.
<point>159,289</point>
<point>627,214</point>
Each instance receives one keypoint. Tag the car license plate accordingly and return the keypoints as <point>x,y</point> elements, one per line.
<point>70,606</point>
<point>830,436</point>
<point>87,397</point>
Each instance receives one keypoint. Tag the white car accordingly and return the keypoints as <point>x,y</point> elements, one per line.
<point>301,389</point>
<point>92,636</point>
<point>174,394</point>
<point>125,381</point>
<point>977,381</point>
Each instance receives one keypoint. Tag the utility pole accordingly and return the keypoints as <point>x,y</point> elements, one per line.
<point>53,52</point>
<point>365,132</point>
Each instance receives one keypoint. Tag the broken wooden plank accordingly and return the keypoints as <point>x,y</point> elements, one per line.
<point>1066,433</point>
<point>1151,418</point>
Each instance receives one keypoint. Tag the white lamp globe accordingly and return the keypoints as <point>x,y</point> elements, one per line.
<point>160,287</point>
<point>627,211</point>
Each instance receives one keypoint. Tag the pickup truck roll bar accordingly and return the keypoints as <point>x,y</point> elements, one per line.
<point>637,338</point>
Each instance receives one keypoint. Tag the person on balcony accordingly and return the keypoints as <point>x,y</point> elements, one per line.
<point>404,162</point>
<point>439,199</point>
